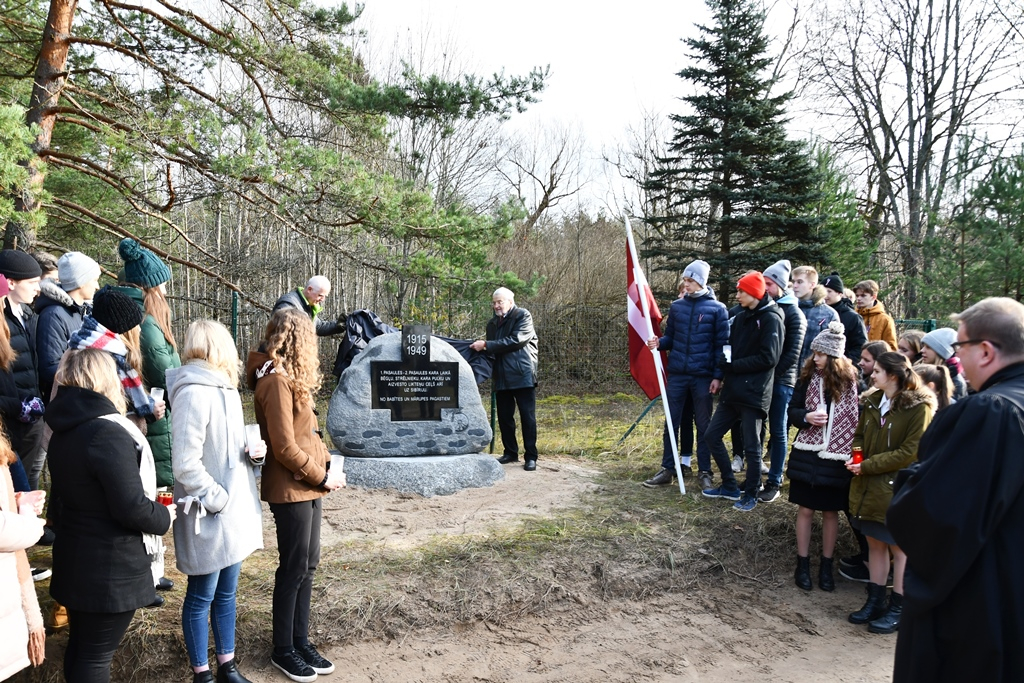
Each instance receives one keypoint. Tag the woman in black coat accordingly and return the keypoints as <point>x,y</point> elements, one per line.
<point>105,481</point>
<point>824,408</point>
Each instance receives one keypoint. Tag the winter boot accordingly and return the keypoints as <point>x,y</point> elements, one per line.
<point>825,580</point>
<point>873,608</point>
<point>890,621</point>
<point>802,575</point>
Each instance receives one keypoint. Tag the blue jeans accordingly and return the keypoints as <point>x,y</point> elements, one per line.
<point>778,427</point>
<point>689,402</point>
<point>18,475</point>
<point>216,590</point>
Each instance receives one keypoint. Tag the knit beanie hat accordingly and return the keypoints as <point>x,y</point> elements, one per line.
<point>941,341</point>
<point>76,269</point>
<point>833,282</point>
<point>831,341</point>
<point>778,273</point>
<point>116,311</point>
<point>698,270</point>
<point>17,265</point>
<point>752,284</point>
<point>141,266</point>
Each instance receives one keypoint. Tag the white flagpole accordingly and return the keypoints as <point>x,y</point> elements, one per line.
<point>641,284</point>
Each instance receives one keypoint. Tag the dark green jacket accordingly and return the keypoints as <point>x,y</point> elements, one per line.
<point>889,446</point>
<point>158,356</point>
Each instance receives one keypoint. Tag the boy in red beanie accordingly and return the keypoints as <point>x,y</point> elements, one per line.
<point>756,344</point>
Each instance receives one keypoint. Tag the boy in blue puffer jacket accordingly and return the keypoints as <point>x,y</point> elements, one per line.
<point>697,329</point>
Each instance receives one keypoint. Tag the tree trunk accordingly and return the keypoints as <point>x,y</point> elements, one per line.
<point>51,73</point>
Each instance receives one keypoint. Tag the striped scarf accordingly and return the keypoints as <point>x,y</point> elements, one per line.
<point>92,335</point>
<point>834,440</point>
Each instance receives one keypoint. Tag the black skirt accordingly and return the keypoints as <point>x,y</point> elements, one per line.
<point>824,498</point>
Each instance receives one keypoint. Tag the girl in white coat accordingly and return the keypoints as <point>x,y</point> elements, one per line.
<point>220,519</point>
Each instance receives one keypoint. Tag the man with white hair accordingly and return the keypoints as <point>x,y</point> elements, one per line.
<point>960,516</point>
<point>311,301</point>
<point>512,342</point>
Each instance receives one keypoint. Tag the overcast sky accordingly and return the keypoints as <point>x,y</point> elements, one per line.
<point>610,63</point>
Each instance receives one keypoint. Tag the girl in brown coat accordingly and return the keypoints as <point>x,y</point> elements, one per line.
<point>284,374</point>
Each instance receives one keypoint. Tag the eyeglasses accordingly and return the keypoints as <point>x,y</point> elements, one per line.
<point>967,342</point>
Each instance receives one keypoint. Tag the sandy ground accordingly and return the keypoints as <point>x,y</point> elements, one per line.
<point>745,630</point>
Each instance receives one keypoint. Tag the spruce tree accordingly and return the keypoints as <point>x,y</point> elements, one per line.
<point>737,192</point>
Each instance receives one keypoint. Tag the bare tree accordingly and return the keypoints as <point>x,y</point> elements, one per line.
<point>543,167</point>
<point>901,80</point>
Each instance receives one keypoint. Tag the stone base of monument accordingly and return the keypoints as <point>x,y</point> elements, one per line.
<point>427,475</point>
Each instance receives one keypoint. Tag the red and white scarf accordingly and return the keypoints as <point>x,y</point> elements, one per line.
<point>834,440</point>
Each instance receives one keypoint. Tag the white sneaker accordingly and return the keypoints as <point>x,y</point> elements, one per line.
<point>737,463</point>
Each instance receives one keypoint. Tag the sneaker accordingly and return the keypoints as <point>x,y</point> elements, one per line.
<point>314,659</point>
<point>722,492</point>
<point>294,667</point>
<point>769,494</point>
<point>746,503</point>
<point>662,478</point>
<point>858,573</point>
<point>41,573</point>
<point>687,471</point>
<point>764,467</point>
<point>737,463</point>
<point>705,480</point>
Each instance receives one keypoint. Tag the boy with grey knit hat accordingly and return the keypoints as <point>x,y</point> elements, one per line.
<point>697,328</point>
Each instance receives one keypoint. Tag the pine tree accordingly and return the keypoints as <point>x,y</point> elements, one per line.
<point>738,193</point>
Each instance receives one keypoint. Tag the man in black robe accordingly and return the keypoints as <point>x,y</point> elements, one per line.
<point>960,517</point>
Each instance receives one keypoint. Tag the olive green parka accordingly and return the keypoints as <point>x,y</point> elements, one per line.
<point>889,444</point>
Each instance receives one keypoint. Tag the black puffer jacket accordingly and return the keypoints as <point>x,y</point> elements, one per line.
<point>788,368</point>
<point>23,341</point>
<point>756,338</point>
<point>513,343</point>
<point>59,317</point>
<point>856,333</point>
<point>295,299</point>
<point>806,466</point>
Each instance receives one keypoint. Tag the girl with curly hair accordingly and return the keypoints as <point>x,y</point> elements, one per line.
<point>284,374</point>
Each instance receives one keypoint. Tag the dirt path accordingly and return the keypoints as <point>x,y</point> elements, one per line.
<point>743,629</point>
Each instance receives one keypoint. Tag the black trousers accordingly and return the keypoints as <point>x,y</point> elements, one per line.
<point>506,401</point>
<point>298,547</point>
<point>749,421</point>
<point>93,638</point>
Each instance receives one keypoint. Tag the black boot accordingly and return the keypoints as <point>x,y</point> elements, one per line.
<point>873,608</point>
<point>825,580</point>
<point>802,575</point>
<point>890,621</point>
<point>228,673</point>
<point>202,677</point>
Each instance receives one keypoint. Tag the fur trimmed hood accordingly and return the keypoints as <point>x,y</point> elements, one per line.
<point>51,290</point>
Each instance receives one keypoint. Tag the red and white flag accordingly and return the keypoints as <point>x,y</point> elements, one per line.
<point>642,363</point>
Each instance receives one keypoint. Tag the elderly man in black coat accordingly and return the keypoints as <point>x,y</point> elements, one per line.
<point>960,517</point>
<point>512,341</point>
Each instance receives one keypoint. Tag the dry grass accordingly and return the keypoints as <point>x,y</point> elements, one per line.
<point>621,541</point>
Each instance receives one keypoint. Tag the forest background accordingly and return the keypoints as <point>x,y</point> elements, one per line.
<point>253,144</point>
